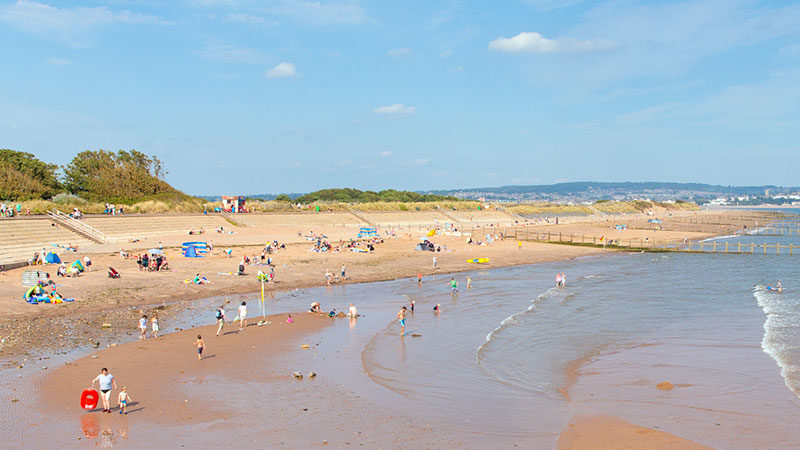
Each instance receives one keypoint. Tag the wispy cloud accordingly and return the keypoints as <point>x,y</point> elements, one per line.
<point>446,54</point>
<point>69,25</point>
<point>282,70</point>
<point>417,162</point>
<point>248,19</point>
<point>533,42</point>
<point>231,54</point>
<point>386,153</point>
<point>58,61</point>
<point>547,5</point>
<point>399,52</point>
<point>396,110</point>
<point>319,13</point>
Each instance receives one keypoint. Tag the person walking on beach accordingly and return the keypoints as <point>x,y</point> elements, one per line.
<point>154,333</point>
<point>454,286</point>
<point>434,263</point>
<point>343,272</point>
<point>123,400</point>
<point>220,319</point>
<point>143,327</point>
<point>107,382</point>
<point>242,315</point>
<point>200,346</point>
<point>401,318</point>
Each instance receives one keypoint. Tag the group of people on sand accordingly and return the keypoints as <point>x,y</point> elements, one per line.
<point>241,317</point>
<point>8,210</point>
<point>154,263</point>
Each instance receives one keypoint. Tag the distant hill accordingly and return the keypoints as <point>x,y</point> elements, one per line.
<point>593,191</point>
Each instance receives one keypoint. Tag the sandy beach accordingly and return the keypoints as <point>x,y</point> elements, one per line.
<point>174,391</point>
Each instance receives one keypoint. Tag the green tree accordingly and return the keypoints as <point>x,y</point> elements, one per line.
<point>124,176</point>
<point>24,177</point>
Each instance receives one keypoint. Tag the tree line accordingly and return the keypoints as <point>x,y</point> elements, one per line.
<point>124,176</point>
<point>349,195</point>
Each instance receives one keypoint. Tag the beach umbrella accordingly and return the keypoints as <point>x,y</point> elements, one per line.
<point>155,251</point>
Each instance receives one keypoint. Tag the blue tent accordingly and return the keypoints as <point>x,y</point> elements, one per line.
<point>52,258</point>
<point>191,252</point>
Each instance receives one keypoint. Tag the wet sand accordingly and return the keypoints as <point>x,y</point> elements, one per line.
<point>613,433</point>
<point>243,392</point>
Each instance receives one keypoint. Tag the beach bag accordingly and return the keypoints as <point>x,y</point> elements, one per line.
<point>219,314</point>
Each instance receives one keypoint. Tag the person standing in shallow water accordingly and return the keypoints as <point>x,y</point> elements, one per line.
<point>401,318</point>
<point>242,315</point>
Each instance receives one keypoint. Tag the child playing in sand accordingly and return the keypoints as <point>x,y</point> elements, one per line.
<point>200,346</point>
<point>123,400</point>
<point>289,319</point>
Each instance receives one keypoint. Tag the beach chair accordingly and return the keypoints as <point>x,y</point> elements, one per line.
<point>112,273</point>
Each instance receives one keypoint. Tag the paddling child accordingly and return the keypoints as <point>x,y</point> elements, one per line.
<point>419,278</point>
<point>401,318</point>
<point>200,346</point>
<point>558,279</point>
<point>437,308</point>
<point>107,382</point>
<point>454,286</point>
<point>469,283</point>
<point>220,319</point>
<point>143,327</point>
<point>413,303</point>
<point>123,400</point>
<point>154,333</point>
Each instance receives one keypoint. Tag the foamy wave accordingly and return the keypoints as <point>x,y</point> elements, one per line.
<point>780,333</point>
<point>512,319</point>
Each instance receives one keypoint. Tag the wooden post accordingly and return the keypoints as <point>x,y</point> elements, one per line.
<point>726,247</point>
<point>777,249</point>
<point>559,236</point>
<point>702,244</point>
<point>791,249</point>
<point>765,248</point>
<point>739,247</point>
<point>548,235</point>
<point>714,249</point>
<point>752,246</point>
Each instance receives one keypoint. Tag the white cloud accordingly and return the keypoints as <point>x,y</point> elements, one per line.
<point>396,110</point>
<point>345,162</point>
<point>534,42</point>
<point>399,52</point>
<point>68,24</point>
<point>58,61</point>
<point>231,54</point>
<point>446,54</point>
<point>282,70</point>
<point>386,153</point>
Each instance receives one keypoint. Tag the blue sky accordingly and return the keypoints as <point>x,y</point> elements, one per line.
<point>239,96</point>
